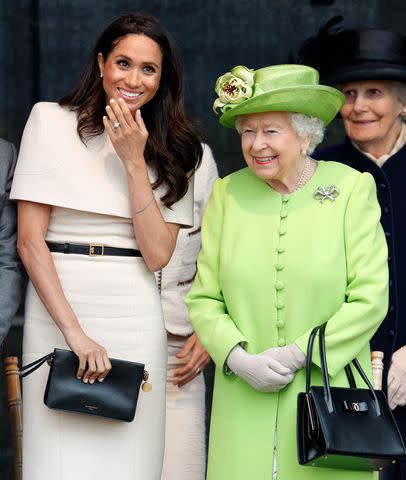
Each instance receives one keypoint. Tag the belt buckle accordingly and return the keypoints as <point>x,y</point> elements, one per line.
<point>93,253</point>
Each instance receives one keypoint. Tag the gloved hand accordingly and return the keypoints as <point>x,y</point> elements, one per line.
<point>397,379</point>
<point>262,372</point>
<point>289,356</point>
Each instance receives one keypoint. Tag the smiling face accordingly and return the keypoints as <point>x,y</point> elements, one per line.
<point>271,148</point>
<point>372,115</point>
<point>132,70</point>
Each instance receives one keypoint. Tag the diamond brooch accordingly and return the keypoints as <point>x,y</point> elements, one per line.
<point>323,193</point>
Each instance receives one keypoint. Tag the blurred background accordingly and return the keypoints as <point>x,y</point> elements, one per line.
<point>45,43</point>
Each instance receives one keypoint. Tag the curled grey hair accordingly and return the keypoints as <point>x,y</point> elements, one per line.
<point>306,126</point>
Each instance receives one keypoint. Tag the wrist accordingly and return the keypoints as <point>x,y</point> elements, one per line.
<point>72,332</point>
<point>236,358</point>
<point>136,166</point>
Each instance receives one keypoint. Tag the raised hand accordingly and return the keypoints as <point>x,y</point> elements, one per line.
<point>128,134</point>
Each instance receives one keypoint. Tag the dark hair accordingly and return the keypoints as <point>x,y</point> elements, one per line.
<point>173,148</point>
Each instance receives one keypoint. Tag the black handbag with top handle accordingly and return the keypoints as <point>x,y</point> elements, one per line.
<point>344,428</point>
<point>116,397</point>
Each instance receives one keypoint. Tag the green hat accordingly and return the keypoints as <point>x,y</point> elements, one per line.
<point>286,88</point>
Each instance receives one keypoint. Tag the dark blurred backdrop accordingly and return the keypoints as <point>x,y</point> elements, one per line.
<point>44,44</point>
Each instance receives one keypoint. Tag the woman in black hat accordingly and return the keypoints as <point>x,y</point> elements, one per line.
<point>369,67</point>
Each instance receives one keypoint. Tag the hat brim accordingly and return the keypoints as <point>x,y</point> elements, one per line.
<point>315,100</point>
<point>365,71</point>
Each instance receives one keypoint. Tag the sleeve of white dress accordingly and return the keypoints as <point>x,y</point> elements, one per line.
<point>207,309</point>
<point>180,212</point>
<point>33,173</point>
<point>55,167</point>
<point>349,330</point>
<point>209,174</point>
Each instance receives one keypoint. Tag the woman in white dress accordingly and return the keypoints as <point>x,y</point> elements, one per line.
<point>103,183</point>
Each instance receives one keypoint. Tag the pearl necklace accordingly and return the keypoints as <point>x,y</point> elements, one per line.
<point>305,175</point>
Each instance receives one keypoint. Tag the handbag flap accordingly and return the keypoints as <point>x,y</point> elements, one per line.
<point>115,397</point>
<point>354,428</point>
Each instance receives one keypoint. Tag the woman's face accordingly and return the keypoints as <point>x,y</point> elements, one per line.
<point>271,148</point>
<point>372,114</point>
<point>132,70</point>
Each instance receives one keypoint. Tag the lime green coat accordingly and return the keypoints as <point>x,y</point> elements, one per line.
<point>271,268</point>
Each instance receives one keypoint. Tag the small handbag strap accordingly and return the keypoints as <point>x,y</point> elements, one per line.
<point>326,382</point>
<point>350,376</point>
<point>31,367</point>
<point>324,370</point>
<point>309,356</point>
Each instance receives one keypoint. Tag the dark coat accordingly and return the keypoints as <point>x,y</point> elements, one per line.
<point>391,189</point>
<point>11,271</point>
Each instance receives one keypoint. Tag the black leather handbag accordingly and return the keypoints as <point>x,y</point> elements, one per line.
<point>116,397</point>
<point>344,428</point>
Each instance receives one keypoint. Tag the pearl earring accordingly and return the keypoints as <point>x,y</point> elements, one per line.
<point>101,75</point>
<point>304,152</point>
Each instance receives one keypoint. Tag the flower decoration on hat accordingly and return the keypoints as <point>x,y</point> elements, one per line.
<point>233,88</point>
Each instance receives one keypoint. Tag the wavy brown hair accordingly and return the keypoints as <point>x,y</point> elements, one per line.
<point>173,148</point>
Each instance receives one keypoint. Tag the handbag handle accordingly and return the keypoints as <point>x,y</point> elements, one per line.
<point>31,367</point>
<point>324,370</point>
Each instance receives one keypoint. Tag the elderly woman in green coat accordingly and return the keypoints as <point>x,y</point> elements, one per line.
<point>288,243</point>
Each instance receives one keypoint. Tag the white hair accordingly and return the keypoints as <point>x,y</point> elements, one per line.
<point>306,126</point>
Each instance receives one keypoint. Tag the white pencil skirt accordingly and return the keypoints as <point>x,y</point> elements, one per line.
<point>117,304</point>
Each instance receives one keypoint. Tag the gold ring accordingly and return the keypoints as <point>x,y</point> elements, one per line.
<point>197,371</point>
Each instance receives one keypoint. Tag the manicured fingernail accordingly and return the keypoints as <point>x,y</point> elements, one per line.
<point>101,379</point>
<point>107,107</point>
<point>85,380</point>
<point>91,381</point>
<point>112,100</point>
<point>138,112</point>
<point>120,100</point>
<point>79,378</point>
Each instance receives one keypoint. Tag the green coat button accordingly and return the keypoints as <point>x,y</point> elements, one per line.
<point>279,304</point>
<point>285,198</point>
<point>279,285</point>
<point>279,266</point>
<point>280,249</point>
<point>281,342</point>
<point>282,230</point>
<point>284,213</point>
<point>280,323</point>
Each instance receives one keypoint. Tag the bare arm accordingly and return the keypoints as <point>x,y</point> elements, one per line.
<point>155,238</point>
<point>33,219</point>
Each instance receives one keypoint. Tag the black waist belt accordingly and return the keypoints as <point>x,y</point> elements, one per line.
<point>93,249</point>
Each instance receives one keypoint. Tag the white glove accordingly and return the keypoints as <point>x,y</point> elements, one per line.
<point>289,356</point>
<point>397,379</point>
<point>260,371</point>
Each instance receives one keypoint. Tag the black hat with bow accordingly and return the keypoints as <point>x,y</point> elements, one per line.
<point>351,55</point>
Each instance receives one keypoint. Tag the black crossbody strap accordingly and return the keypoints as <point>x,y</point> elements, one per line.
<point>31,367</point>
